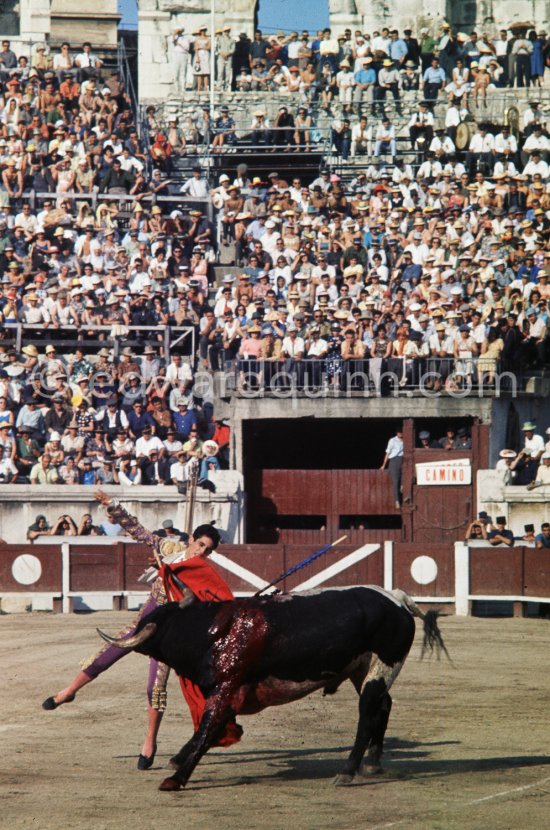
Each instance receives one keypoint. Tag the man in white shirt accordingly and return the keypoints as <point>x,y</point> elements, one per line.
<point>325,287</point>
<point>270,237</point>
<point>147,442</point>
<point>441,145</point>
<point>178,371</point>
<point>181,45</point>
<point>429,168</point>
<point>171,444</point>
<point>361,138</point>
<point>88,63</point>
<point>536,141</point>
<point>531,116</point>
<point>481,149</point>
<point>505,166</point>
<point>527,461</point>
<point>139,279</point>
<point>293,347</point>
<point>181,470</point>
<point>385,138</point>
<point>418,249</point>
<point>322,268</point>
<point>533,347</point>
<point>536,165</point>
<point>393,459</point>
<point>197,186</point>
<point>381,43</point>
<point>26,220</point>
<point>504,141</point>
<point>128,162</point>
<point>453,116</point>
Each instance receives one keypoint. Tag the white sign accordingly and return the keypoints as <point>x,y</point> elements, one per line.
<point>458,471</point>
<point>26,569</point>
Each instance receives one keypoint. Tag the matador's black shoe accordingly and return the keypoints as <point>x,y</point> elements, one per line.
<point>50,703</point>
<point>146,761</point>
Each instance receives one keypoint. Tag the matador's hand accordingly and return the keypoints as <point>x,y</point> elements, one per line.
<point>103,498</point>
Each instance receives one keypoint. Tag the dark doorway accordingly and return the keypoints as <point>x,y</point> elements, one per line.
<point>316,444</point>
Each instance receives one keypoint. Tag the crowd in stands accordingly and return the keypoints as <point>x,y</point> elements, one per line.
<point>436,275</point>
<point>483,529</point>
<point>68,420</point>
<point>92,415</point>
<point>531,467</point>
<point>369,64</point>
<point>66,526</point>
<point>440,273</point>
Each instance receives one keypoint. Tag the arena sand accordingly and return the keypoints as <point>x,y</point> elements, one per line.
<point>468,745</point>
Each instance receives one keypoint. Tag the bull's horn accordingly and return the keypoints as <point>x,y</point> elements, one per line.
<point>188,597</point>
<point>130,642</point>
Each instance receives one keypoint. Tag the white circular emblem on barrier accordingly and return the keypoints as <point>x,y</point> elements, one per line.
<point>424,569</point>
<point>26,569</point>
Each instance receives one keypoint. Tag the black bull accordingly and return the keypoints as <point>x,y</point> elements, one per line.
<point>252,653</point>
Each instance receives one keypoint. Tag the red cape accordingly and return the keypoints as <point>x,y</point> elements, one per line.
<point>205,582</point>
<point>200,577</point>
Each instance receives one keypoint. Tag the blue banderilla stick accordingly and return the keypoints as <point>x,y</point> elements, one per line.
<point>301,565</point>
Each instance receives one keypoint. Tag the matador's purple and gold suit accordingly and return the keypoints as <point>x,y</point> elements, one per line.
<point>104,659</point>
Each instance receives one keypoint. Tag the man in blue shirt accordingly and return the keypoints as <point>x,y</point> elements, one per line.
<point>500,535</point>
<point>398,49</point>
<point>542,540</point>
<point>434,78</point>
<point>365,79</point>
<point>184,419</point>
<point>138,419</point>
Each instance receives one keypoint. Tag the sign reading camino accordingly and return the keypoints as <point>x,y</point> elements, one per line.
<point>458,471</point>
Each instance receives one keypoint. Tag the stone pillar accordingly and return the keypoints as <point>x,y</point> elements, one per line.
<point>34,28</point>
<point>401,14</point>
<point>343,14</point>
<point>505,12</point>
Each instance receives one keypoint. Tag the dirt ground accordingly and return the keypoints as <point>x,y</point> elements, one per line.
<point>468,745</point>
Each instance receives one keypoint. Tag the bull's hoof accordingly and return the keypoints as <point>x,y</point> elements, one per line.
<point>346,780</point>
<point>343,780</point>
<point>170,785</point>
<point>369,770</point>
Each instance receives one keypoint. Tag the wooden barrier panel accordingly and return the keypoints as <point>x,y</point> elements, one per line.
<point>30,568</point>
<point>497,571</point>
<point>97,568</point>
<point>341,566</point>
<point>136,561</point>
<point>265,562</point>
<point>536,572</point>
<point>422,570</point>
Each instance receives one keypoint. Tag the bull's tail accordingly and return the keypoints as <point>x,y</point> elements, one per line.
<point>433,639</point>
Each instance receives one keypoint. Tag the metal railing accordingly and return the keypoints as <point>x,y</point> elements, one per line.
<point>171,336</point>
<point>126,75</point>
<point>183,203</point>
<point>373,377</point>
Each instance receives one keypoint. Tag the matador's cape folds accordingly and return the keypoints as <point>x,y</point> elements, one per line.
<point>207,585</point>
